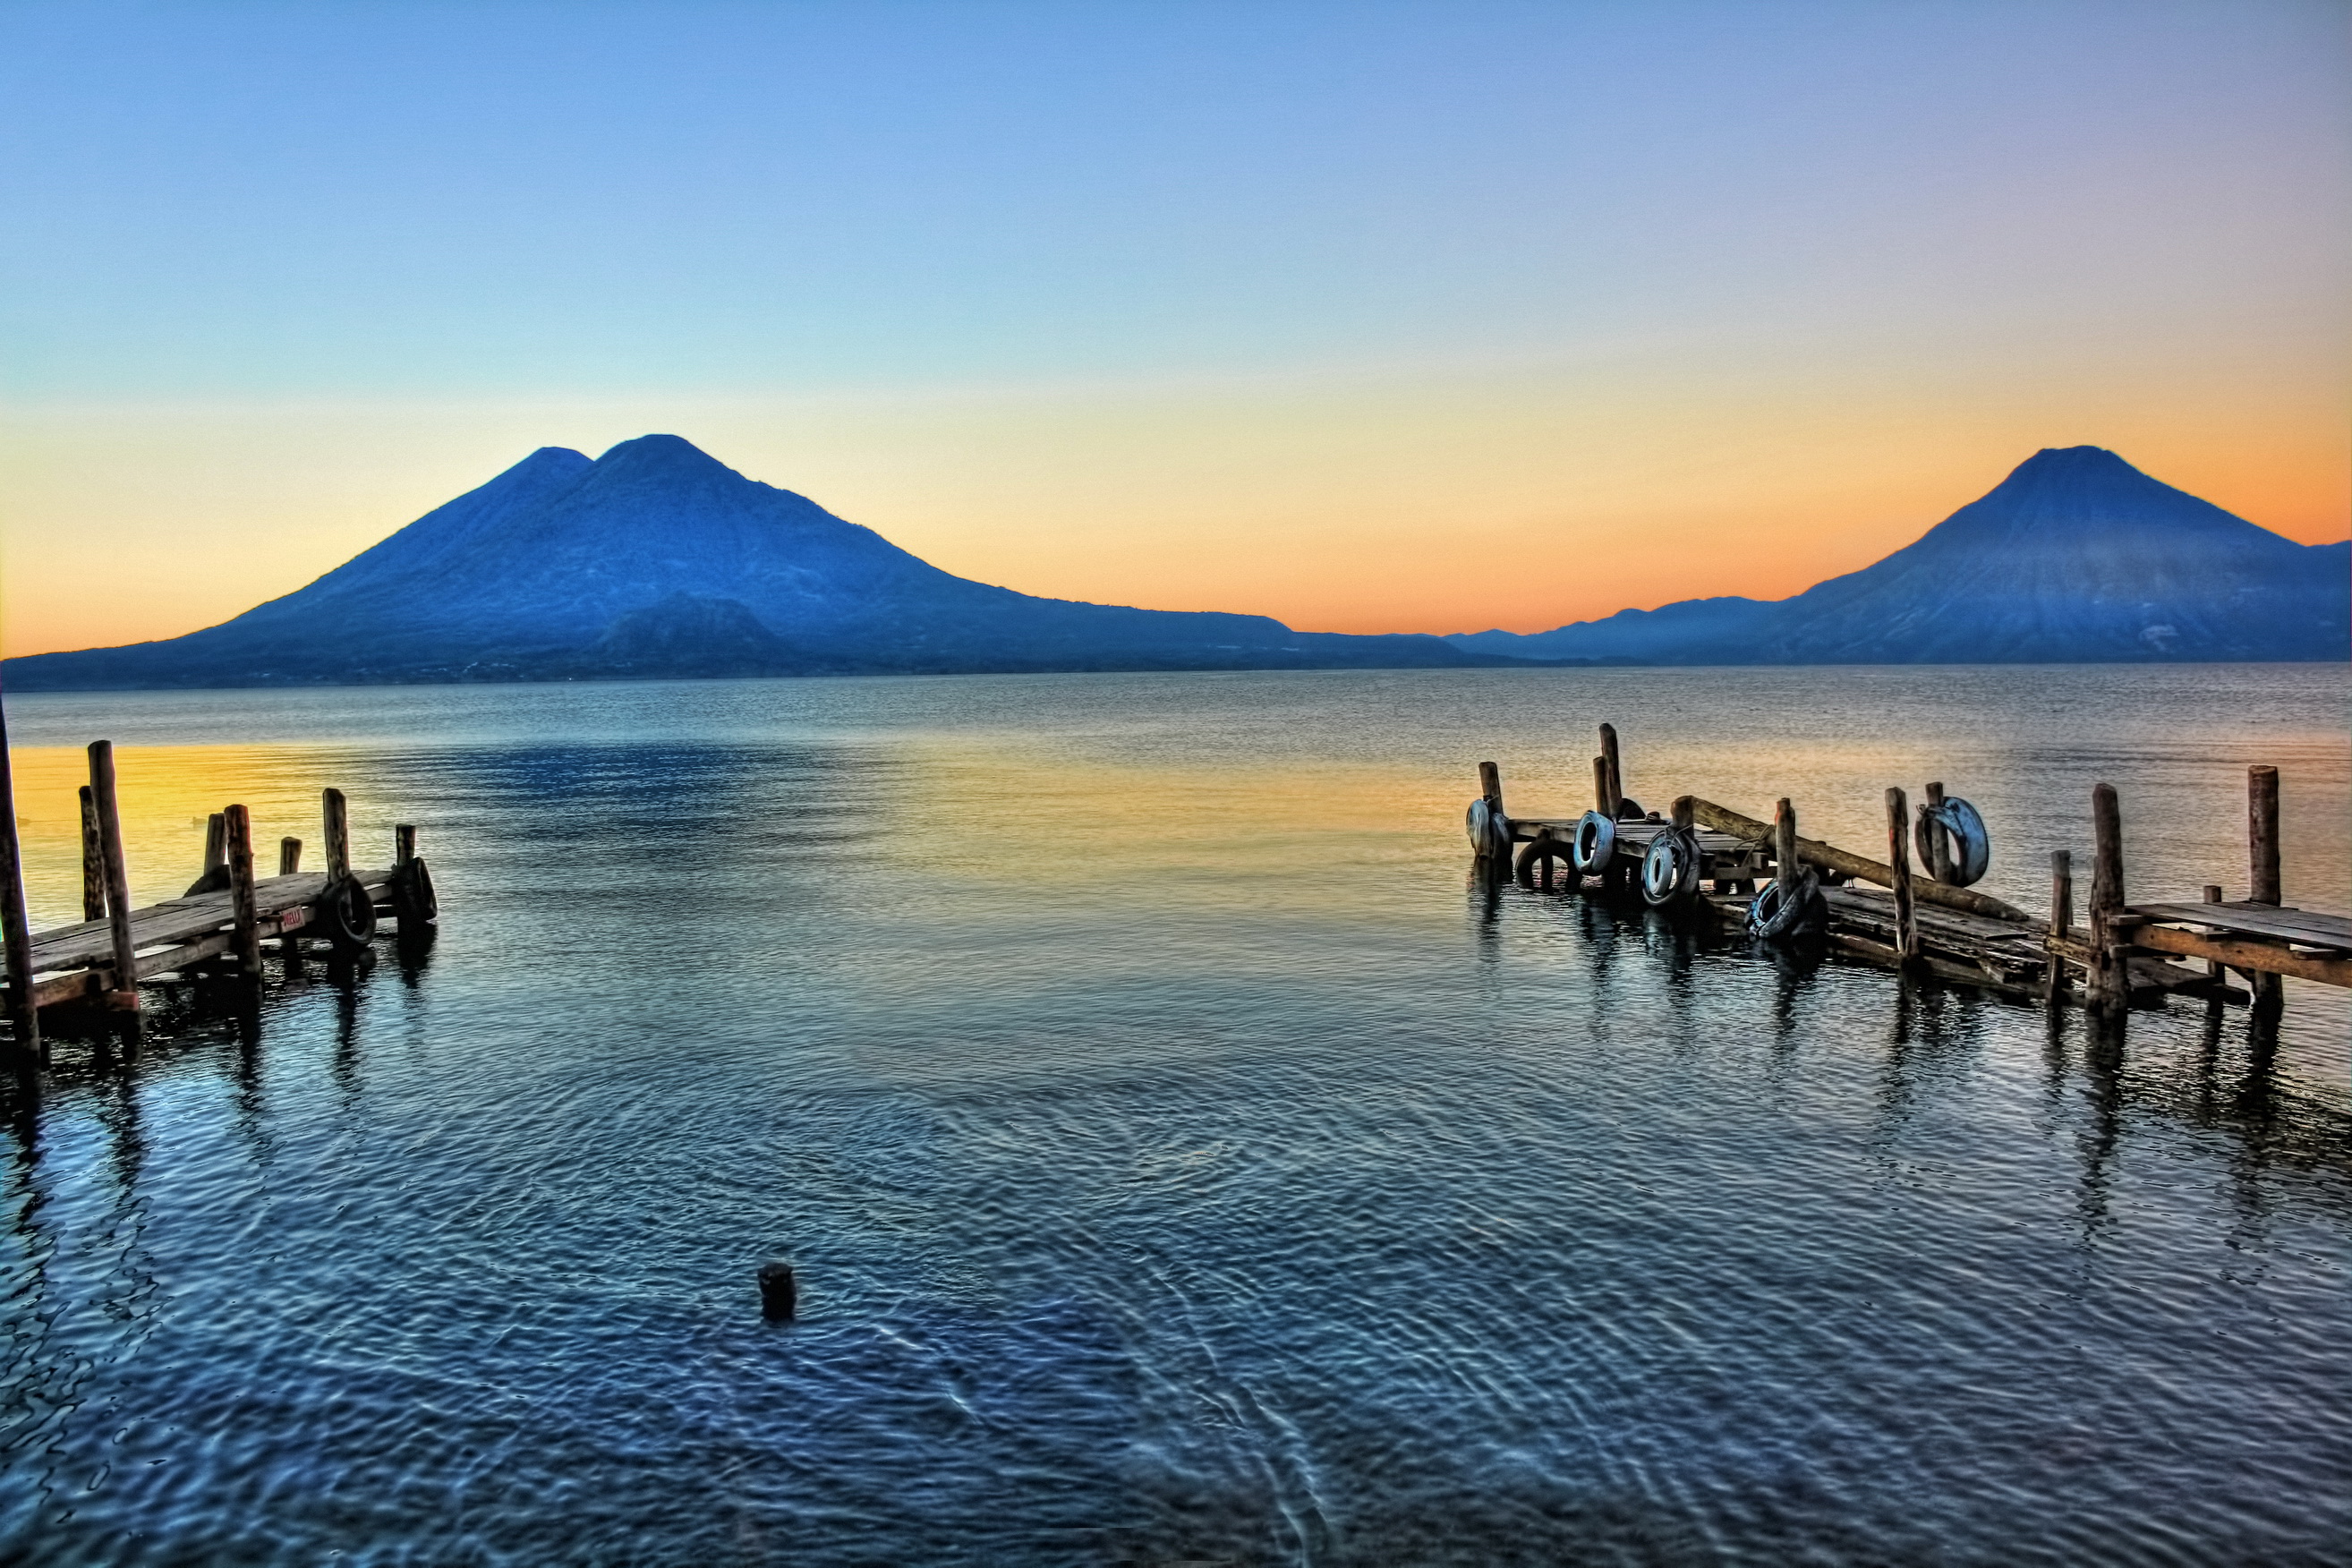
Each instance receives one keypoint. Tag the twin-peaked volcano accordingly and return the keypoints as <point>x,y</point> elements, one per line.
<point>2076,557</point>
<point>656,559</point>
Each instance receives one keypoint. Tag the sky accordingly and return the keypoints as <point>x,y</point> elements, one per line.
<point>1368,317</point>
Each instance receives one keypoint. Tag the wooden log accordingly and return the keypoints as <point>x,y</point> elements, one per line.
<point>338,833</point>
<point>2265,959</point>
<point>216,842</point>
<point>237,830</point>
<point>16,922</point>
<point>2110,985</point>
<point>2062,922</point>
<point>93,862</point>
<point>1935,844</point>
<point>289,856</point>
<point>2263,855</point>
<point>404,843</point>
<point>1616,770</point>
<point>1784,847</point>
<point>1842,863</point>
<point>117,876</point>
<point>1898,859</point>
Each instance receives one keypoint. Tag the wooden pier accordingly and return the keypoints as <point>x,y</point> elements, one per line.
<point>1716,864</point>
<point>217,928</point>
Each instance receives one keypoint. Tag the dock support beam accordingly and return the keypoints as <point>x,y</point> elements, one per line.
<point>2062,922</point>
<point>2110,974</point>
<point>246,941</point>
<point>93,862</point>
<point>125,994</point>
<point>289,856</point>
<point>1935,844</point>
<point>1898,859</point>
<point>1616,771</point>
<point>338,833</point>
<point>1784,849</point>
<point>16,926</point>
<point>2262,858</point>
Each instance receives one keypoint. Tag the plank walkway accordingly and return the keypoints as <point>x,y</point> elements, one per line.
<point>71,963</point>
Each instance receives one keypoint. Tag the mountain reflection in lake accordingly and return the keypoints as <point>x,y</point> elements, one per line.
<point>1182,1158</point>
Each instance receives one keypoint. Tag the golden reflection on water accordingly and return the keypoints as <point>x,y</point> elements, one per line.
<point>165,794</point>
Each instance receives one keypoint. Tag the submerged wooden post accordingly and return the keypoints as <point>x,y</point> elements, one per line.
<point>289,856</point>
<point>1784,847</point>
<point>338,833</point>
<point>125,994</point>
<point>404,843</point>
<point>238,831</point>
<point>2062,920</point>
<point>15,924</point>
<point>216,842</point>
<point>2263,855</point>
<point>1898,858</point>
<point>93,862</point>
<point>1616,770</point>
<point>2110,974</point>
<point>1939,855</point>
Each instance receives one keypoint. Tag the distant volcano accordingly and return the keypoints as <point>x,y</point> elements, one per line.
<point>2076,557</point>
<point>658,560</point>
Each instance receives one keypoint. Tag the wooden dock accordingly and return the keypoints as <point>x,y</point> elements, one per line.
<point>1763,879</point>
<point>216,928</point>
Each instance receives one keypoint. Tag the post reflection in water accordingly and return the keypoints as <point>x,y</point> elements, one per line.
<point>1179,1158</point>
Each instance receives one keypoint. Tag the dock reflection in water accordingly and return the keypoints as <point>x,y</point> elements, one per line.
<point>1182,1157</point>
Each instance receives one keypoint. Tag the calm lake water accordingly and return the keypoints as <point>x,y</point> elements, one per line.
<point>1183,1159</point>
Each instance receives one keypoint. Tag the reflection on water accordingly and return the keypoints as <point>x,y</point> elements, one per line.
<point>1183,1153</point>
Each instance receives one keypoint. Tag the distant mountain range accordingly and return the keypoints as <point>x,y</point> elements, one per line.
<point>658,560</point>
<point>2076,557</point>
<point>655,560</point>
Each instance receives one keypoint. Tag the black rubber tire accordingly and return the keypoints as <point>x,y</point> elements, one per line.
<point>347,915</point>
<point>413,899</point>
<point>1594,848</point>
<point>1670,871</point>
<point>1772,918</point>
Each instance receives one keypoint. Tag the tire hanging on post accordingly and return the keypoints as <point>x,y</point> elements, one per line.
<point>1670,871</point>
<point>1969,842</point>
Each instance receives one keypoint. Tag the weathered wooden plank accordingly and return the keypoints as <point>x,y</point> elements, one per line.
<point>1830,858</point>
<point>2261,957</point>
<point>2307,927</point>
<point>181,919</point>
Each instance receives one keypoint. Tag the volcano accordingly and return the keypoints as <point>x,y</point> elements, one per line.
<point>656,560</point>
<point>2076,557</point>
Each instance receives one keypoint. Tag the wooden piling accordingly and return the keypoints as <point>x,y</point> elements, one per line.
<point>2061,921</point>
<point>216,842</point>
<point>1898,860</point>
<point>1616,768</point>
<point>1601,801</point>
<point>2214,967</point>
<point>1936,844</point>
<point>93,862</point>
<point>289,856</point>
<point>404,843</point>
<point>125,994</point>
<point>2110,977</point>
<point>1681,813</point>
<point>339,832</point>
<point>238,834</point>
<point>1784,849</point>
<point>16,923</point>
<point>2263,885</point>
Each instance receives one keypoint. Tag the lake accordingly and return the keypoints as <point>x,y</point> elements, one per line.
<point>1183,1158</point>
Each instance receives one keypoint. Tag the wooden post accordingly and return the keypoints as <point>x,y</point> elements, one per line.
<point>2263,854</point>
<point>1939,843</point>
<point>1898,858</point>
<point>93,862</point>
<point>1784,847</point>
<point>2110,974</point>
<point>16,922</point>
<point>338,833</point>
<point>403,843</point>
<point>2213,896</point>
<point>1616,771</point>
<point>237,830</point>
<point>1681,813</point>
<point>2062,921</point>
<point>118,874</point>
<point>289,856</point>
<point>216,842</point>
